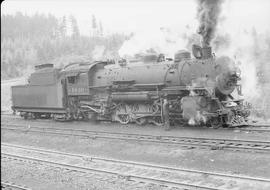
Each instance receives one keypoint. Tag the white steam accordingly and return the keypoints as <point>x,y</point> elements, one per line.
<point>242,33</point>
<point>97,53</point>
<point>248,42</point>
<point>242,50</point>
<point>159,40</point>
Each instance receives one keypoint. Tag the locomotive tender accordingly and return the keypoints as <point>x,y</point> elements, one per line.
<point>198,90</point>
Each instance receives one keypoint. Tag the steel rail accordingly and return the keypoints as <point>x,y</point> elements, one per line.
<point>8,184</point>
<point>250,128</point>
<point>187,141</point>
<point>103,171</point>
<point>183,141</point>
<point>131,134</point>
<point>249,125</point>
<point>255,129</point>
<point>94,158</point>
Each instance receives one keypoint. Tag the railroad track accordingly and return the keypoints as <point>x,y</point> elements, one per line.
<point>134,171</point>
<point>9,114</point>
<point>260,128</point>
<point>10,185</point>
<point>186,142</point>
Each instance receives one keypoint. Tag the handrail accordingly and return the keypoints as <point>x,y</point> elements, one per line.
<point>75,63</point>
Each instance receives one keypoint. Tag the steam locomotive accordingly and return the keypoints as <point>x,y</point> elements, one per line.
<point>199,90</point>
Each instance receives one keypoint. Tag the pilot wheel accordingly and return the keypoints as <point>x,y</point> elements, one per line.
<point>141,121</point>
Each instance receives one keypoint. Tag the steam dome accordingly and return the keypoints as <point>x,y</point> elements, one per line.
<point>181,55</point>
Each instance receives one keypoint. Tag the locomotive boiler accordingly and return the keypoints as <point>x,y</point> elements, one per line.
<point>199,90</point>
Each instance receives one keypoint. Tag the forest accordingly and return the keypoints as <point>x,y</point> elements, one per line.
<point>32,40</point>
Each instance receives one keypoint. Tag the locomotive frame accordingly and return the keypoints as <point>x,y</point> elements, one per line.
<point>198,91</point>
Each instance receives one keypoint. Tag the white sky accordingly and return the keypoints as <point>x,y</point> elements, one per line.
<point>133,15</point>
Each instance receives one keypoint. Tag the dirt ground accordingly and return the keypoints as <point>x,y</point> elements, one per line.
<point>42,177</point>
<point>45,177</point>
<point>209,160</point>
<point>188,131</point>
<point>223,161</point>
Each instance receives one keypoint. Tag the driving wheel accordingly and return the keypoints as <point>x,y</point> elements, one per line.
<point>123,118</point>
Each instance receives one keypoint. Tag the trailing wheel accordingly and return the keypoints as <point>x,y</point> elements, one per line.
<point>141,121</point>
<point>157,121</point>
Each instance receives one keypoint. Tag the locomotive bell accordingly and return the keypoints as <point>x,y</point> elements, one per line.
<point>197,51</point>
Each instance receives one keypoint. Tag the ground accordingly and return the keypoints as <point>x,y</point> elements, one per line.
<point>222,161</point>
<point>42,177</point>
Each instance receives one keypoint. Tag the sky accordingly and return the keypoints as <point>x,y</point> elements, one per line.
<point>144,18</point>
<point>127,16</point>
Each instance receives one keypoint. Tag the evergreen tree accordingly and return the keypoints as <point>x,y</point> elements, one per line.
<point>100,28</point>
<point>30,40</point>
<point>94,25</point>
<point>63,27</point>
<point>74,25</point>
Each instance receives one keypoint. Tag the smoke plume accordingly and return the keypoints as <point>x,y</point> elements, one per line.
<point>208,14</point>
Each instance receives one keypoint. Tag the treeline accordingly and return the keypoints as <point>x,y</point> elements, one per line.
<point>30,40</point>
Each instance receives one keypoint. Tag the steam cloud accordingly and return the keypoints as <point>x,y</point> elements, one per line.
<point>208,15</point>
<point>248,47</point>
<point>159,40</point>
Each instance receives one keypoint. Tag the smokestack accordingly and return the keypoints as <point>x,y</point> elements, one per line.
<point>206,52</point>
<point>208,15</point>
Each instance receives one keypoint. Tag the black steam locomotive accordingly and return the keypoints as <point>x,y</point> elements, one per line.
<point>198,90</point>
